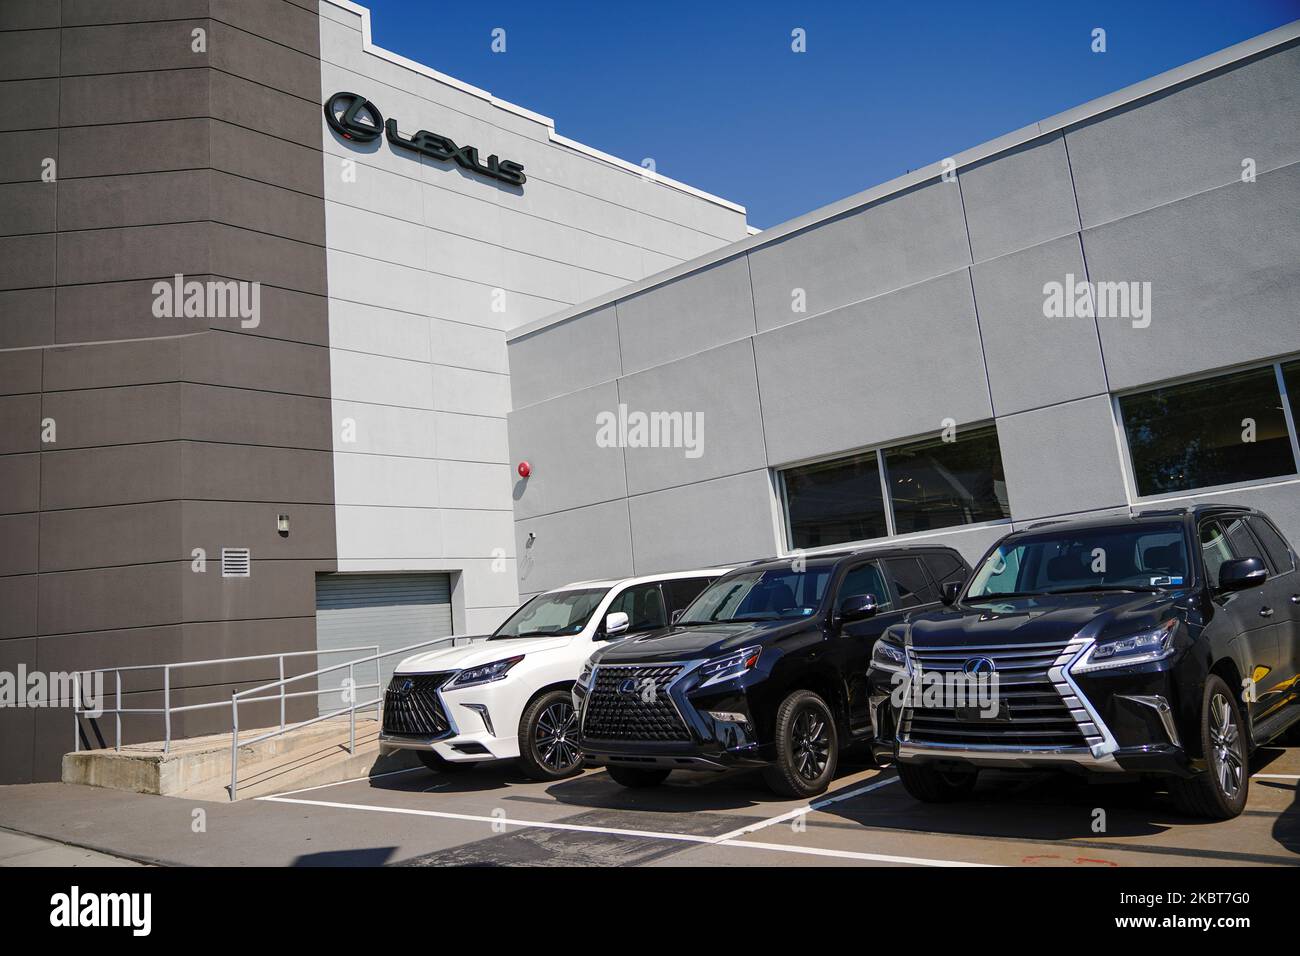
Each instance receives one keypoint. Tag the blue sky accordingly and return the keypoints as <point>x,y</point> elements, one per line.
<point>713,93</point>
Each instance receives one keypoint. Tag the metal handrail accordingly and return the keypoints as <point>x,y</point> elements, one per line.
<point>350,710</point>
<point>167,709</point>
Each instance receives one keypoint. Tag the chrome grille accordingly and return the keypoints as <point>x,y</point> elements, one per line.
<point>1038,707</point>
<point>612,714</point>
<point>412,707</point>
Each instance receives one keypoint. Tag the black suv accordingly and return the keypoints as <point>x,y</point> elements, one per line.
<point>1165,643</point>
<point>766,668</point>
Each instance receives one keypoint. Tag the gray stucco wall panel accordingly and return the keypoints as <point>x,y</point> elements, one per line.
<point>580,353</point>
<point>825,389</point>
<point>578,545</point>
<point>558,439</point>
<point>716,393</point>
<point>681,318</point>
<point>1224,267</point>
<point>703,524</point>
<point>1062,459</point>
<point>906,238</point>
<point>1034,360</point>
<point>1189,139</point>
<point>1019,198</point>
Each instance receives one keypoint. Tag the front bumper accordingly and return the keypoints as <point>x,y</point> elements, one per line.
<point>1130,720</point>
<point>708,744</point>
<point>482,723</point>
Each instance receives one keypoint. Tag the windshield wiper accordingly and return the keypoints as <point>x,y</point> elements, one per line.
<point>1004,594</point>
<point>1135,588</point>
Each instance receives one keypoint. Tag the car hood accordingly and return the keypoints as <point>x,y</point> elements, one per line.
<point>699,642</point>
<point>482,651</point>
<point>1044,618</point>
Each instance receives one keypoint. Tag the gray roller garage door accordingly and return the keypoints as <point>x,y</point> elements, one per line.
<point>389,610</point>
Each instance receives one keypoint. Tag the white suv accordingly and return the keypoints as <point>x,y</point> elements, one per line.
<point>507,695</point>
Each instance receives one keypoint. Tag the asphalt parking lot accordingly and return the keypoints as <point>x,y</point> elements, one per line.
<point>494,816</point>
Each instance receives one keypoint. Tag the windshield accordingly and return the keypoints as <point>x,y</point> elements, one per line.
<point>560,612</point>
<point>759,596</point>
<point>1145,557</point>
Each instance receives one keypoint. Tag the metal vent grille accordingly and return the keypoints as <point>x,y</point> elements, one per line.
<point>236,563</point>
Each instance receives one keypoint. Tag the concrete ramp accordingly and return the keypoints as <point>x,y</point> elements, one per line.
<point>199,768</point>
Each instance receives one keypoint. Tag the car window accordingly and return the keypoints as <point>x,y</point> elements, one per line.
<point>865,579</point>
<point>910,583</point>
<point>1279,554</point>
<point>682,591</point>
<point>644,606</point>
<point>1214,551</point>
<point>777,594</point>
<point>945,567</point>
<point>557,612</point>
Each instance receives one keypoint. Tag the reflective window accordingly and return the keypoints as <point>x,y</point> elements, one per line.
<point>1279,554</point>
<point>1217,431</point>
<point>759,596</point>
<point>931,484</point>
<point>937,484</point>
<point>560,612</point>
<point>644,606</point>
<point>834,501</point>
<point>913,587</point>
<point>865,579</point>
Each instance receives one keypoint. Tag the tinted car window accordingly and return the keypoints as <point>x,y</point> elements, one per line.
<point>644,606</point>
<point>760,596</point>
<point>1214,551</point>
<point>1279,554</point>
<point>945,567</point>
<point>865,579</point>
<point>910,582</point>
<point>683,591</point>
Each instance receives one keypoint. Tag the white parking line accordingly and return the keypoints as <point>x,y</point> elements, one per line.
<point>1278,776</point>
<point>725,840</point>
<point>339,783</point>
<point>807,808</point>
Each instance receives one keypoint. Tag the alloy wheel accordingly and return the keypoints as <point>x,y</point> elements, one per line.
<point>555,745</point>
<point>810,741</point>
<point>1225,746</point>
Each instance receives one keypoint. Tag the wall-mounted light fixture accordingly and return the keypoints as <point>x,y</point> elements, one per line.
<point>282,525</point>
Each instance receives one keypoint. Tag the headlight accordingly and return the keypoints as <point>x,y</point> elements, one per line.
<point>733,665</point>
<point>1154,644</point>
<point>888,656</point>
<point>485,673</point>
<point>584,676</point>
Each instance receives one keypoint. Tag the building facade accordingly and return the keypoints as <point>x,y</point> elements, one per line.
<point>1093,314</point>
<point>253,374</point>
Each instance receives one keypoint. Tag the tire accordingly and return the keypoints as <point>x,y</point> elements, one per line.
<point>637,778</point>
<point>1220,792</point>
<point>807,747</point>
<point>548,748</point>
<point>933,785</point>
<point>439,765</point>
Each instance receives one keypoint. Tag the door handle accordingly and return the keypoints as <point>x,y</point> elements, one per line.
<point>1266,612</point>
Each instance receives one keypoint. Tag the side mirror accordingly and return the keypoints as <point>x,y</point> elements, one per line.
<point>616,623</point>
<point>1241,573</point>
<point>948,593</point>
<point>859,607</point>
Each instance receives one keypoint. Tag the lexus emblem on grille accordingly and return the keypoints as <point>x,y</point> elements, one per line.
<point>627,686</point>
<point>979,665</point>
<point>404,689</point>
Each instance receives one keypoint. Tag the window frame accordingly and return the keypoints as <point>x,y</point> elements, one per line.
<point>1126,457</point>
<point>891,528</point>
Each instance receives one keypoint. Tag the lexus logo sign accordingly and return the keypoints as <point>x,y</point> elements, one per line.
<point>355,118</point>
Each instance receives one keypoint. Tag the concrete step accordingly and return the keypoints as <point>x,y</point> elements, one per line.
<point>199,768</point>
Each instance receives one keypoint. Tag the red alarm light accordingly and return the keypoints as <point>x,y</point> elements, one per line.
<point>525,469</point>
